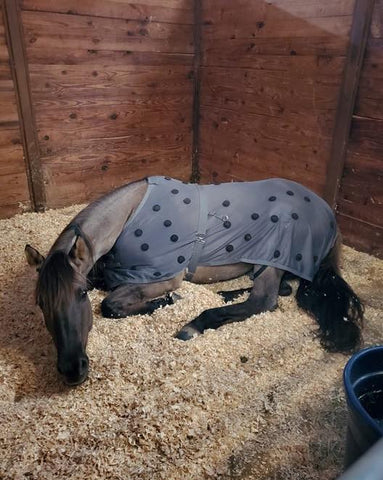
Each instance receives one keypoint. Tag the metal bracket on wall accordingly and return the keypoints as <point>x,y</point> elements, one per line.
<point>19,68</point>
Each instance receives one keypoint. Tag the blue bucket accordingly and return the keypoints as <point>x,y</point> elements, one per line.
<point>363,384</point>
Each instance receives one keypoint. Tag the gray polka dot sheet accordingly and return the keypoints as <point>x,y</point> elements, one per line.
<point>178,225</point>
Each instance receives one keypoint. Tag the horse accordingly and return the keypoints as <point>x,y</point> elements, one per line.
<point>140,241</point>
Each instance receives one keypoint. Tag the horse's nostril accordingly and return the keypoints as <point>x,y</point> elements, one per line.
<point>84,363</point>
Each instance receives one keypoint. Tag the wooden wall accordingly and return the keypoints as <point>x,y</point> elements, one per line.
<point>360,199</point>
<point>111,90</point>
<point>270,78</point>
<point>14,192</point>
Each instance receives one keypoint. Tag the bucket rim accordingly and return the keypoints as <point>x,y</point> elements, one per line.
<point>351,397</point>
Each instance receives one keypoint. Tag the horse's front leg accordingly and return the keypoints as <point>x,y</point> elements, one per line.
<point>263,297</point>
<point>129,299</point>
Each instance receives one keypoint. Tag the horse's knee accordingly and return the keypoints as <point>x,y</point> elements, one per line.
<point>112,309</point>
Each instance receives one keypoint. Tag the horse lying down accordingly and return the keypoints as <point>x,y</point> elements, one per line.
<point>142,240</point>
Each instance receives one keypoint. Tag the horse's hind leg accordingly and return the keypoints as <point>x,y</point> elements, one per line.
<point>263,297</point>
<point>284,291</point>
<point>130,299</point>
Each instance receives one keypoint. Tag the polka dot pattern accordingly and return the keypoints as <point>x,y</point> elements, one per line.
<point>244,230</point>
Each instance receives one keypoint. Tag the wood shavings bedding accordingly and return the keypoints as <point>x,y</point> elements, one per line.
<point>254,400</point>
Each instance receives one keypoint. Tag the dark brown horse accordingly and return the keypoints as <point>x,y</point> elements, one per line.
<point>76,262</point>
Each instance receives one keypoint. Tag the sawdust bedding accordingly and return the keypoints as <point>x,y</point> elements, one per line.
<point>256,400</point>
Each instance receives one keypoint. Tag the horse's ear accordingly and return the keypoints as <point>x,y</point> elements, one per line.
<point>34,258</point>
<point>79,253</point>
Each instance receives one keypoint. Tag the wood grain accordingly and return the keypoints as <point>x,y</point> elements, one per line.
<point>14,194</point>
<point>52,30</point>
<point>170,11</point>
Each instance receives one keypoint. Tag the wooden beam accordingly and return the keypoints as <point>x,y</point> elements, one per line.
<point>197,32</point>
<point>19,68</point>
<point>360,29</point>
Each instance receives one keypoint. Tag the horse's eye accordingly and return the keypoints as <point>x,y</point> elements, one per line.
<point>82,294</point>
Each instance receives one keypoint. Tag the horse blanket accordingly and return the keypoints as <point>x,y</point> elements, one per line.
<point>178,225</point>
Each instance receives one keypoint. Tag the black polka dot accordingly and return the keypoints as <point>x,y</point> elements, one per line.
<point>187,201</point>
<point>226,203</point>
<point>295,216</point>
<point>144,247</point>
<point>167,223</point>
<point>156,208</point>
<point>174,238</point>
<point>274,218</point>
<point>180,259</point>
<point>138,232</point>
<point>227,224</point>
<point>277,253</point>
<point>272,198</point>
<point>315,258</point>
<point>175,191</point>
<point>298,257</point>
<point>157,274</point>
<point>307,199</point>
<point>229,248</point>
<point>247,237</point>
<point>289,192</point>
<point>254,216</point>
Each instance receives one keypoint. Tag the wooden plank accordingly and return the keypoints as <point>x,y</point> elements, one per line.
<point>82,181</point>
<point>361,235</point>
<point>94,56</point>
<point>196,175</point>
<point>60,127</point>
<point>85,86</point>
<point>358,40</point>
<point>245,53</point>
<point>20,74</point>
<point>53,30</point>
<point>171,11</point>
<point>269,92</point>
<point>228,11</point>
<point>366,137</point>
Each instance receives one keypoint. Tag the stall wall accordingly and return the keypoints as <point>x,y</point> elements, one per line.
<point>111,88</point>
<point>270,77</point>
<point>360,199</point>
<point>14,192</point>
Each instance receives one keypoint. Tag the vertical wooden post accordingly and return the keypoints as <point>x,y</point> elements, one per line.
<point>196,175</point>
<point>19,68</point>
<point>360,29</point>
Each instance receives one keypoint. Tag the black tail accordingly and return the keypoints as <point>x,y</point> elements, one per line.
<point>334,305</point>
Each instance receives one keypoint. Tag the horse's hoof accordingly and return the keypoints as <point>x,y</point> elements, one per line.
<point>173,298</point>
<point>285,290</point>
<point>187,333</point>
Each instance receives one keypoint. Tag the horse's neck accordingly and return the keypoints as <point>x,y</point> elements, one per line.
<point>103,220</point>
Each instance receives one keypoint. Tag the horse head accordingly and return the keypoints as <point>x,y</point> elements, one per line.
<point>61,293</point>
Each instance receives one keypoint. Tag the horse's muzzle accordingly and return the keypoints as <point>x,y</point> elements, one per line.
<point>74,370</point>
